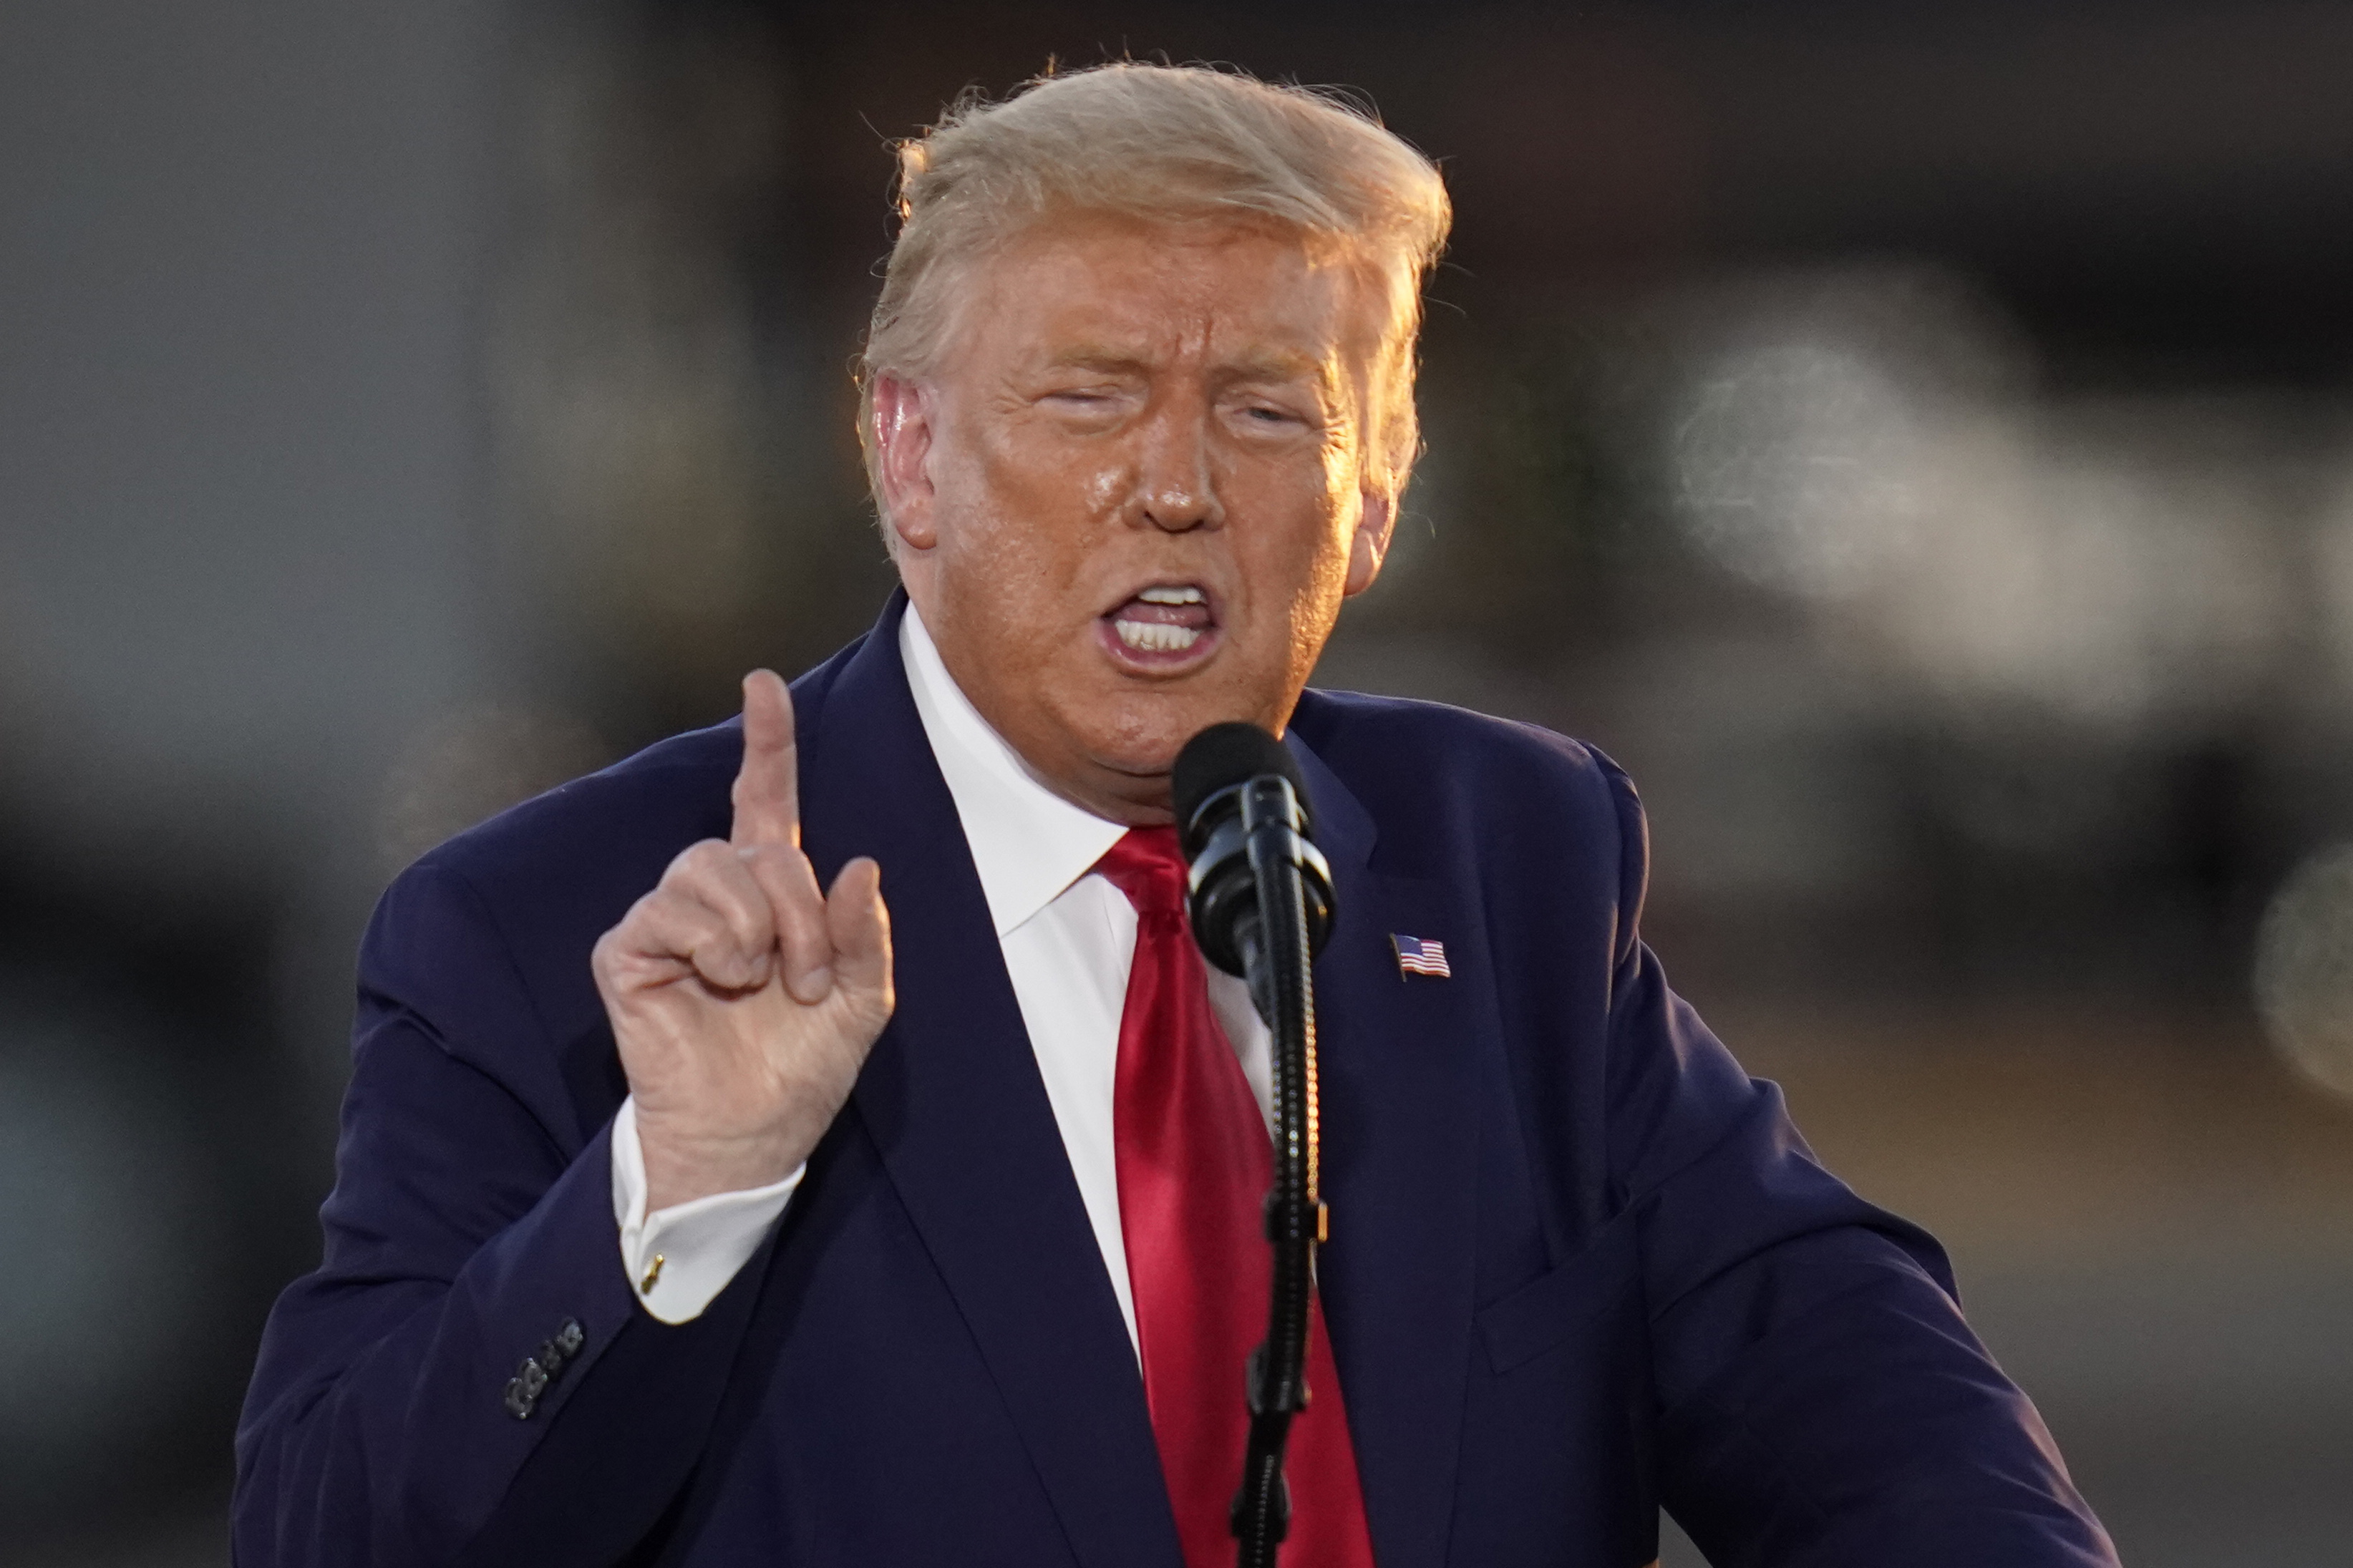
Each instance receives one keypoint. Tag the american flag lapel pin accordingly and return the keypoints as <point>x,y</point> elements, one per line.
<point>1421,955</point>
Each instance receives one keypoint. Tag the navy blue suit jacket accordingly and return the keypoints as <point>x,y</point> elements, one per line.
<point>1581,1265</point>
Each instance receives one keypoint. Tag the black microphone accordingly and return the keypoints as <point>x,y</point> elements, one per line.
<point>1239,800</point>
<point>1262,907</point>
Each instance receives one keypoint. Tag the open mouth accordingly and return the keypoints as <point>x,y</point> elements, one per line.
<point>1163,625</point>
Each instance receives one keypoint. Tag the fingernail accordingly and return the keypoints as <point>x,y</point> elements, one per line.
<point>815,984</point>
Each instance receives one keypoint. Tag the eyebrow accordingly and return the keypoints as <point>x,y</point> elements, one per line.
<point>1278,365</point>
<point>1109,361</point>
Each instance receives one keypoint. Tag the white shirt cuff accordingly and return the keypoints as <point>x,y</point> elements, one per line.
<point>677,1259</point>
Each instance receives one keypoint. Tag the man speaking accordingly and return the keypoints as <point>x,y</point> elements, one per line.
<point>818,1140</point>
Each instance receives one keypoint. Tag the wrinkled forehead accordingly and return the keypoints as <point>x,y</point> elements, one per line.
<point>1218,293</point>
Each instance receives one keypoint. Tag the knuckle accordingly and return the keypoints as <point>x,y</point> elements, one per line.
<point>698,862</point>
<point>706,932</point>
<point>642,917</point>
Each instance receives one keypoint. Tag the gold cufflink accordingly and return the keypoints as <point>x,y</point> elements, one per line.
<point>645,1286</point>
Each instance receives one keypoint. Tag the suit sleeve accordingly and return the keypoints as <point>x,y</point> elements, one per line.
<point>392,1420</point>
<point>1822,1403</point>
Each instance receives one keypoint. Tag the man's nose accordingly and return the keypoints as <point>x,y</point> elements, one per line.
<point>1178,488</point>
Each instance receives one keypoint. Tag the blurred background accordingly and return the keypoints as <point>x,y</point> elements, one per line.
<point>1917,441</point>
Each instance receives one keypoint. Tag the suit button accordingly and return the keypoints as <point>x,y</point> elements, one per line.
<point>571,1337</point>
<point>551,1358</point>
<point>519,1405</point>
<point>533,1378</point>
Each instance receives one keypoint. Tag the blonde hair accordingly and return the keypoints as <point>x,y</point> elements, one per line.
<point>1160,143</point>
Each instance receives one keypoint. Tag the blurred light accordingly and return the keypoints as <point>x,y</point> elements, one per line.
<point>1798,465</point>
<point>1858,449</point>
<point>2092,582</point>
<point>2304,969</point>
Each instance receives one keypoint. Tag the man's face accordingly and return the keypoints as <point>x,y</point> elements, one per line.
<point>1129,501</point>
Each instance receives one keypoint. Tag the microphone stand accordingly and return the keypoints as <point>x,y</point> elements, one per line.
<point>1276,953</point>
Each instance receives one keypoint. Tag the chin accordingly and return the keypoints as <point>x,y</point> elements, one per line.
<point>1144,752</point>
<point>1145,739</point>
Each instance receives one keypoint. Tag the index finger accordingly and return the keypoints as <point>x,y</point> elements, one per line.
<point>768,787</point>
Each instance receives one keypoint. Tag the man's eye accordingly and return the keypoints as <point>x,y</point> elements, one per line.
<point>1263,414</point>
<point>1084,400</point>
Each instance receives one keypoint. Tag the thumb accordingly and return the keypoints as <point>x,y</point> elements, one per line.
<point>859,925</point>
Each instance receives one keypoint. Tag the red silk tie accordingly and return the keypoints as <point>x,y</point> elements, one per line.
<point>1194,1166</point>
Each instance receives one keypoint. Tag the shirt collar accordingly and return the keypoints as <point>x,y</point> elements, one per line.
<point>1028,843</point>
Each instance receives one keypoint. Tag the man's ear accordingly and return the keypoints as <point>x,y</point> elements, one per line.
<point>902,447</point>
<point>1370,544</point>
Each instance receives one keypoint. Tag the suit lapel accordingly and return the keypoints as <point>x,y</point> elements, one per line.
<point>1397,1080</point>
<point>952,1098</point>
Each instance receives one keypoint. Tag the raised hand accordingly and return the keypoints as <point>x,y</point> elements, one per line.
<point>744,998</point>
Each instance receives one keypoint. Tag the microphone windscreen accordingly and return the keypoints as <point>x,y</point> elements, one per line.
<point>1226,755</point>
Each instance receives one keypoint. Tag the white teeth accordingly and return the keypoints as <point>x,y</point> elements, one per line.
<point>1161,595</point>
<point>1151,636</point>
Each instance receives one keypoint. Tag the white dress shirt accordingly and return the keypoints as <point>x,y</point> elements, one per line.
<point>1068,937</point>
